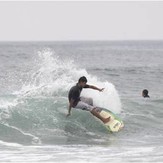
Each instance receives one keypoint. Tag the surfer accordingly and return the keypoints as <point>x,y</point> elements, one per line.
<point>145,93</point>
<point>83,103</point>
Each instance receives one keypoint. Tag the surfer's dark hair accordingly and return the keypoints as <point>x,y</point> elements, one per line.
<point>82,79</point>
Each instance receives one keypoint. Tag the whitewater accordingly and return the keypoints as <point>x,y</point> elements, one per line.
<point>34,84</point>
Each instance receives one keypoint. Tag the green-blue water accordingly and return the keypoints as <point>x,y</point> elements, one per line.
<point>35,78</point>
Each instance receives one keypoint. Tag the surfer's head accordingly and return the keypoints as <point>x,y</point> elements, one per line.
<point>145,93</point>
<point>82,81</point>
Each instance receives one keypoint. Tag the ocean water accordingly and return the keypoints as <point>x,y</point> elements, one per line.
<point>35,78</point>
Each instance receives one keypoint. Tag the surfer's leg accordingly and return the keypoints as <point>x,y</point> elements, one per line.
<point>87,100</point>
<point>84,106</point>
<point>96,114</point>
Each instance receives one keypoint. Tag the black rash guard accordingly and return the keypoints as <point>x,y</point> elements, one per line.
<point>74,93</point>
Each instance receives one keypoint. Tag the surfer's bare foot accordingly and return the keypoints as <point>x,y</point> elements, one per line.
<point>107,120</point>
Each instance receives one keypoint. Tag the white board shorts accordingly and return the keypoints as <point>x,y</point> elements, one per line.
<point>85,104</point>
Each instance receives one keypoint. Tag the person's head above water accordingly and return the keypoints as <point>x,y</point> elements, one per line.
<point>145,93</point>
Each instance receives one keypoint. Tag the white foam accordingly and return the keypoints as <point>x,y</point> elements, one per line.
<point>10,144</point>
<point>108,99</point>
<point>6,103</point>
<point>55,76</point>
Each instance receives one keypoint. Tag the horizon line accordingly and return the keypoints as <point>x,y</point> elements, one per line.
<point>80,40</point>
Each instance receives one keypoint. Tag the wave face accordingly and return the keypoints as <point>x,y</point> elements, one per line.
<point>36,112</point>
<point>35,78</point>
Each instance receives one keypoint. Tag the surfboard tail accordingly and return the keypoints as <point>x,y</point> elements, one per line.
<point>115,124</point>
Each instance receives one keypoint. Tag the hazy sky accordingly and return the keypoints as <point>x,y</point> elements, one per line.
<point>81,20</point>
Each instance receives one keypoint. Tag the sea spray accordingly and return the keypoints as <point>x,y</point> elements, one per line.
<point>39,108</point>
<point>37,112</point>
<point>55,77</point>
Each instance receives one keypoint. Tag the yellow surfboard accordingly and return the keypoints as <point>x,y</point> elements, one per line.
<point>115,124</point>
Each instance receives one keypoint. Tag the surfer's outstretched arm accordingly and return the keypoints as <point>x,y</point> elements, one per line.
<point>96,88</point>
